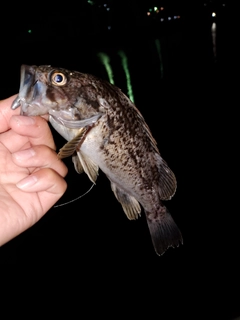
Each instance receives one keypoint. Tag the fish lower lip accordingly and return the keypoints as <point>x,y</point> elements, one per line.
<point>28,109</point>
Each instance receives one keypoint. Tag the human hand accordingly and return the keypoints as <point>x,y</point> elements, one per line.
<point>31,175</point>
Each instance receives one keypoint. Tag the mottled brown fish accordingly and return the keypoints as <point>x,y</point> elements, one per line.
<point>105,130</point>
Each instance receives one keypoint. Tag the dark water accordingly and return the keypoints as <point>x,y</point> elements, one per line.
<point>183,81</point>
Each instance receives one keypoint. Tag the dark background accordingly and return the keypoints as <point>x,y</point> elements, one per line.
<point>190,103</point>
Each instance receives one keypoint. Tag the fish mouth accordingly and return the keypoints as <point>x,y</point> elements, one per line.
<point>32,93</point>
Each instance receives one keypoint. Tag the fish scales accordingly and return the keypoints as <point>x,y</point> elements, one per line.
<point>105,130</point>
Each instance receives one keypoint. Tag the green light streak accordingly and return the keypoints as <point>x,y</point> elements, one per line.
<point>127,73</point>
<point>158,46</point>
<point>106,62</point>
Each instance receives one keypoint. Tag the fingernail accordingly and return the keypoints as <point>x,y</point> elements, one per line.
<point>24,154</point>
<point>27,182</point>
<point>24,120</point>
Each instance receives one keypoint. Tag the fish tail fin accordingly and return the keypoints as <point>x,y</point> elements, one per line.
<point>163,230</point>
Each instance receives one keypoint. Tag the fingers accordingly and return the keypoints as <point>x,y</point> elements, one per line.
<point>47,183</point>
<point>44,179</point>
<point>6,112</point>
<point>39,157</point>
<point>36,129</point>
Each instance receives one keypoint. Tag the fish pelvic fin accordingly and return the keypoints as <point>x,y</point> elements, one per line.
<point>167,183</point>
<point>130,205</point>
<point>164,231</point>
<point>89,167</point>
<point>77,164</point>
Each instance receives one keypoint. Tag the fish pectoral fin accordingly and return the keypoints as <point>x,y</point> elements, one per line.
<point>130,205</point>
<point>167,181</point>
<point>77,164</point>
<point>89,167</point>
<point>70,147</point>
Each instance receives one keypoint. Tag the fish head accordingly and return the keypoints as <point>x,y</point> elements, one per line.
<point>57,92</point>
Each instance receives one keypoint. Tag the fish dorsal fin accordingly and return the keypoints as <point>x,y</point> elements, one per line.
<point>89,167</point>
<point>167,179</point>
<point>77,164</point>
<point>70,147</point>
<point>130,205</point>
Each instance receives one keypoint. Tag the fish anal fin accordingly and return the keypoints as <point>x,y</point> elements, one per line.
<point>70,147</point>
<point>89,166</point>
<point>130,205</point>
<point>164,231</point>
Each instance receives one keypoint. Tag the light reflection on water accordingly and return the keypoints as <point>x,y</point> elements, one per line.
<point>214,36</point>
<point>149,60</point>
<point>177,56</point>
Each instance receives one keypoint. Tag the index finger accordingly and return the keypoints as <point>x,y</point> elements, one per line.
<point>34,128</point>
<point>6,112</point>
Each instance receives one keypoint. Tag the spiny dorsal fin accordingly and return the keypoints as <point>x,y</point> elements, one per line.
<point>70,147</point>
<point>130,205</point>
<point>89,167</point>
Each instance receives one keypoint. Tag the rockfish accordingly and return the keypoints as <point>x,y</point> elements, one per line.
<point>105,130</point>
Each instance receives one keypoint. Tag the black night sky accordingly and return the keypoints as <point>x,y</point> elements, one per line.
<point>181,66</point>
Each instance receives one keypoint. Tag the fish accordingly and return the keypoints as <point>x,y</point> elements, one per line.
<point>105,130</point>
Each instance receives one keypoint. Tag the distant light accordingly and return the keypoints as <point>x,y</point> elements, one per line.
<point>214,27</point>
<point>213,14</point>
<point>29,31</point>
<point>162,19</point>
<point>150,10</point>
<point>169,18</point>
<point>148,13</point>
<point>161,8</point>
<point>90,2</point>
<point>155,8</point>
<point>108,9</point>
<point>175,17</point>
<point>105,5</point>
<point>109,27</point>
<point>223,4</point>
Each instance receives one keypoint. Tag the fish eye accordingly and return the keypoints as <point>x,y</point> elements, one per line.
<point>58,79</point>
